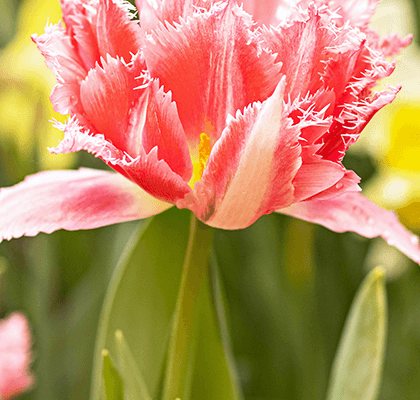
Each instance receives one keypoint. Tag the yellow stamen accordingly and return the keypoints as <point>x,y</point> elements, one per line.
<point>199,165</point>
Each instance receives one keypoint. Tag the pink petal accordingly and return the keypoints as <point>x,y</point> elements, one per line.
<point>348,183</point>
<point>156,177</point>
<point>263,12</point>
<point>109,101</point>
<point>72,200</point>
<point>117,34</point>
<point>62,58</point>
<point>353,212</point>
<point>306,46</point>
<point>213,65</point>
<point>153,175</point>
<point>315,177</point>
<point>250,169</point>
<point>15,356</point>
<point>352,120</point>
<point>163,129</point>
<point>357,12</point>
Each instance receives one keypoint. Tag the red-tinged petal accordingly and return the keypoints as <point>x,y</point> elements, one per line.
<point>163,129</point>
<point>109,101</point>
<point>213,66</point>
<point>72,200</point>
<point>308,46</point>
<point>62,58</point>
<point>353,212</point>
<point>118,35</point>
<point>153,175</point>
<point>263,12</point>
<point>250,169</point>
<point>156,177</point>
<point>348,183</point>
<point>353,118</point>
<point>315,177</point>
<point>15,356</point>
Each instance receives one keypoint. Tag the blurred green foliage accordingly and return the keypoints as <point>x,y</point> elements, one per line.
<point>288,287</point>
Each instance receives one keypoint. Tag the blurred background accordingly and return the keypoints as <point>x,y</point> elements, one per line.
<point>289,284</point>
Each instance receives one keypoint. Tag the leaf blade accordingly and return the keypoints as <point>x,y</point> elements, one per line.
<point>357,368</point>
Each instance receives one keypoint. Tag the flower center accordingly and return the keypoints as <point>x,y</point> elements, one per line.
<point>199,163</point>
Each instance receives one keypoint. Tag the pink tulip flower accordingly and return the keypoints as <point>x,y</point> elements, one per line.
<point>198,106</point>
<point>15,356</point>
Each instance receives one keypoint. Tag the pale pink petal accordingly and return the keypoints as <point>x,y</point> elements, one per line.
<point>118,35</point>
<point>62,58</point>
<point>316,177</point>
<point>251,167</point>
<point>15,356</point>
<point>72,200</point>
<point>348,183</point>
<point>109,101</point>
<point>353,212</point>
<point>153,175</point>
<point>213,65</point>
<point>163,129</point>
<point>357,12</point>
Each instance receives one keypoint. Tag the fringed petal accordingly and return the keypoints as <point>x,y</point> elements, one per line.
<point>110,102</point>
<point>118,35</point>
<point>62,58</point>
<point>213,65</point>
<point>72,200</point>
<point>163,129</point>
<point>353,212</point>
<point>147,171</point>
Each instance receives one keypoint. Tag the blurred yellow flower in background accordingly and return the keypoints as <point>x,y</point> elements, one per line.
<point>25,85</point>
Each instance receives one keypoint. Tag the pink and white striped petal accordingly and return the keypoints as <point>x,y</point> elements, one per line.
<point>250,169</point>
<point>72,200</point>
<point>353,212</point>
<point>263,12</point>
<point>213,65</point>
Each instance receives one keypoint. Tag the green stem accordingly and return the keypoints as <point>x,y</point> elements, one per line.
<point>181,349</point>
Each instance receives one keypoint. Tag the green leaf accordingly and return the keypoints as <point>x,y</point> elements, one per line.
<point>111,379</point>
<point>357,368</point>
<point>134,383</point>
<point>142,295</point>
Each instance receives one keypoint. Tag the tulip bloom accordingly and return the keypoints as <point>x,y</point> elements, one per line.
<point>15,356</point>
<point>197,106</point>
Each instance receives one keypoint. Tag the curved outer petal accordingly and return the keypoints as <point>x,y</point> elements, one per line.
<point>353,212</point>
<point>250,169</point>
<point>72,200</point>
<point>110,101</point>
<point>15,356</point>
<point>146,170</point>
<point>213,66</point>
